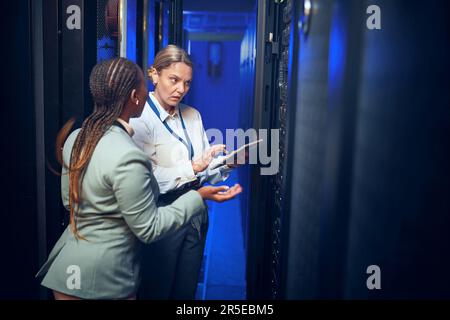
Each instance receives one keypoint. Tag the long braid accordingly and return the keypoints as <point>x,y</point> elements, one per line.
<point>111,83</point>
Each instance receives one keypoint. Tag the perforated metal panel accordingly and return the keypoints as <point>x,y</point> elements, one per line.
<point>279,180</point>
<point>107,29</point>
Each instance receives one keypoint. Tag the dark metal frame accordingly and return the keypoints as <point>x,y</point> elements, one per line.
<point>293,71</point>
<point>259,244</point>
<point>61,90</point>
<point>268,235</point>
<point>176,25</point>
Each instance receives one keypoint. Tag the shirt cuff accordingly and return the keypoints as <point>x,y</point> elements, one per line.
<point>225,171</point>
<point>216,161</point>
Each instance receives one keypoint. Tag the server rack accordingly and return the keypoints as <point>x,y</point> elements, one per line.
<point>276,72</point>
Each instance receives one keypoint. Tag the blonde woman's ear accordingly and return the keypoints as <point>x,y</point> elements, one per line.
<point>152,74</point>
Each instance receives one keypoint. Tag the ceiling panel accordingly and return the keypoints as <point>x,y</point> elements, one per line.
<point>219,5</point>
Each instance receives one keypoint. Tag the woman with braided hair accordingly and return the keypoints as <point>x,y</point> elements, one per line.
<point>108,187</point>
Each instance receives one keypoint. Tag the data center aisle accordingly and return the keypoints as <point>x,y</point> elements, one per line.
<point>223,269</point>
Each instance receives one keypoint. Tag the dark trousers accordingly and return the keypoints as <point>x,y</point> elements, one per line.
<point>171,266</point>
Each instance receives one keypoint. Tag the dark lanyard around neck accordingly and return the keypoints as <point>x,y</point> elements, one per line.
<point>187,144</point>
<point>118,124</point>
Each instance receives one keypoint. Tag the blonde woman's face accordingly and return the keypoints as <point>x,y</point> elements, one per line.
<point>172,83</point>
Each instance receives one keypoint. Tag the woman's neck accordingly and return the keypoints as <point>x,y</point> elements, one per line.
<point>125,118</point>
<point>169,109</point>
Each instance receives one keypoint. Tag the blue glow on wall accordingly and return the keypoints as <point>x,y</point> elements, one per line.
<point>337,52</point>
<point>106,47</point>
<point>151,32</point>
<point>131,30</point>
<point>166,24</point>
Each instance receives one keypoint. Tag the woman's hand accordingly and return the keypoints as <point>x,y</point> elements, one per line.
<point>238,160</point>
<point>201,163</point>
<point>219,194</point>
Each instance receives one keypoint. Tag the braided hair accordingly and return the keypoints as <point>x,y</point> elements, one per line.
<point>111,83</point>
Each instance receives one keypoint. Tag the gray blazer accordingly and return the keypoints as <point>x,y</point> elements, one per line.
<point>118,209</point>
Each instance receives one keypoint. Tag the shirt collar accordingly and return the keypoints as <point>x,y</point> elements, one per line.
<point>162,112</point>
<point>126,126</point>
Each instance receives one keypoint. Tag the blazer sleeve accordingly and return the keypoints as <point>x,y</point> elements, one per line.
<point>132,187</point>
<point>67,150</point>
<point>65,188</point>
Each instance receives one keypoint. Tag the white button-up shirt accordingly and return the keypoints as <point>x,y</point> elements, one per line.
<point>172,166</point>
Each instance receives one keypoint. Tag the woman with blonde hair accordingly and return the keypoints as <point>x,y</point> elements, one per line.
<point>172,135</point>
